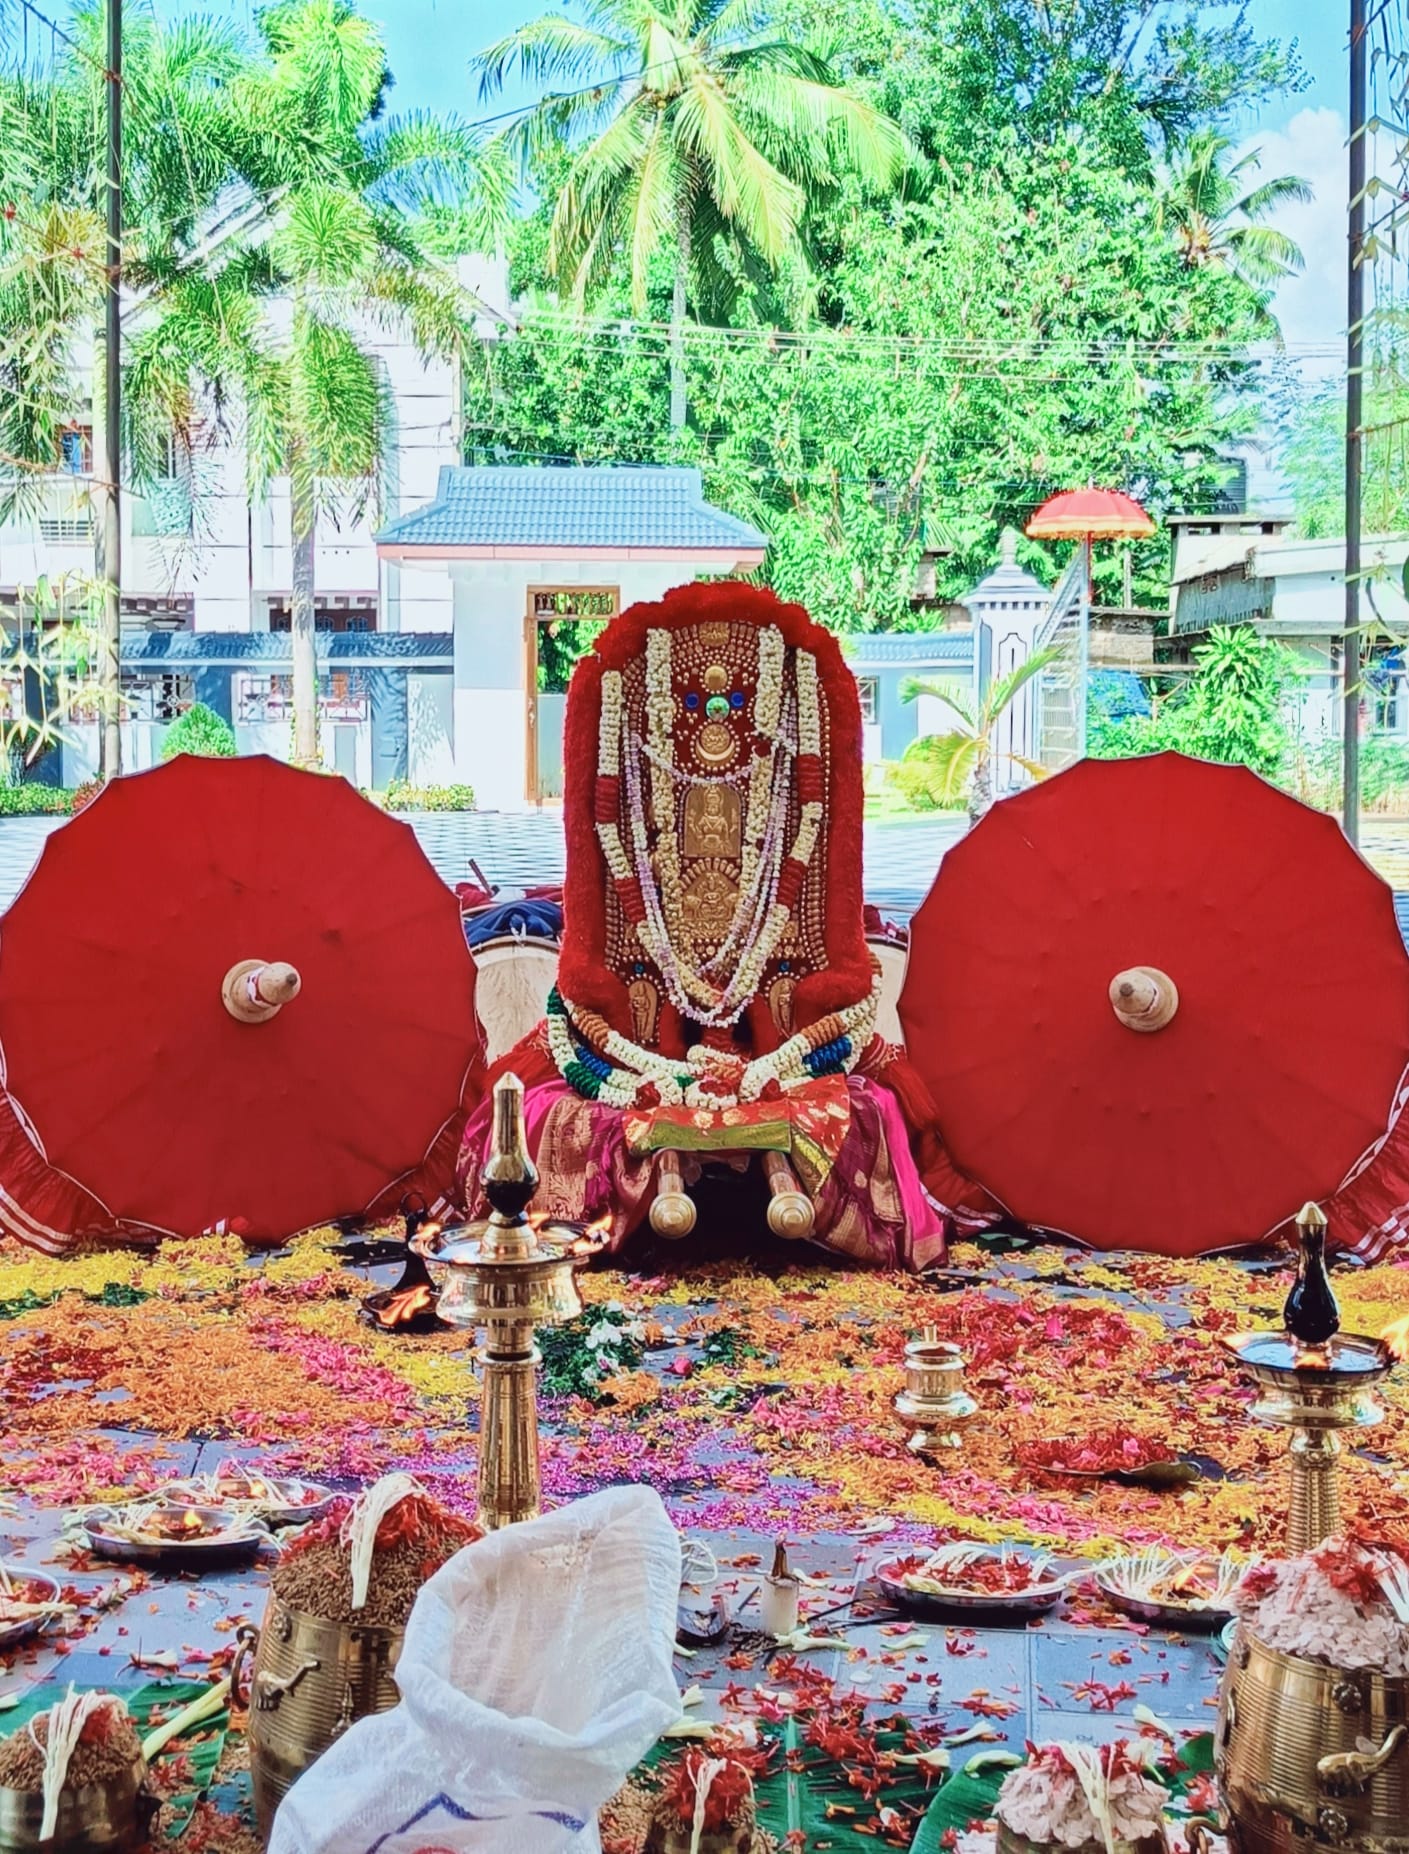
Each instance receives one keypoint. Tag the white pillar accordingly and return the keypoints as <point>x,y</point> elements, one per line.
<point>1008,609</point>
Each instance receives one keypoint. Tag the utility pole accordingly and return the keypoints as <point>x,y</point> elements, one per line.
<point>1354,420</point>
<point>110,528</point>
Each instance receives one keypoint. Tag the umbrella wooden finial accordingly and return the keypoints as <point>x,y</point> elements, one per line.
<point>254,990</point>
<point>1144,998</point>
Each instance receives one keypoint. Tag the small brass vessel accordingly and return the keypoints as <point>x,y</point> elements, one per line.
<point>1311,1757</point>
<point>506,1276</point>
<point>934,1406</point>
<point>312,1678</point>
<point>100,1818</point>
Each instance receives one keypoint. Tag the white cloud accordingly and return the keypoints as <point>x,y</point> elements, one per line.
<point>1310,305</point>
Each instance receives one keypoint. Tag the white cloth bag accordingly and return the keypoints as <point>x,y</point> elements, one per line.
<point>537,1671</point>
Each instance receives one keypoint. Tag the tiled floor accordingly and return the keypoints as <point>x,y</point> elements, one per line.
<point>518,849</point>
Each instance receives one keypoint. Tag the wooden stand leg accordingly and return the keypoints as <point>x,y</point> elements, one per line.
<point>790,1212</point>
<point>672,1212</point>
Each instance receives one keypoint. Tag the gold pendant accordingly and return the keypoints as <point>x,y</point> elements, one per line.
<point>645,1010</point>
<point>712,821</point>
<point>708,904</point>
<point>716,744</point>
<point>780,1003</point>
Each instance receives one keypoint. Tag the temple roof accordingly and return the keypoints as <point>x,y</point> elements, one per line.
<point>515,509</point>
<point>183,650</point>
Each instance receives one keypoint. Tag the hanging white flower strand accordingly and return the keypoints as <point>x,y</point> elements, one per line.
<point>360,1527</point>
<point>66,1722</point>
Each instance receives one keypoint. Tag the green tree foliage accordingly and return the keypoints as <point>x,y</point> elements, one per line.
<point>1016,316</point>
<point>1231,709</point>
<point>1314,453</point>
<point>199,730</point>
<point>974,350</point>
<point>706,132</point>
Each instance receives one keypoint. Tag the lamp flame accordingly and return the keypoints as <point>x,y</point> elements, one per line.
<point>1396,1337</point>
<point>401,1309</point>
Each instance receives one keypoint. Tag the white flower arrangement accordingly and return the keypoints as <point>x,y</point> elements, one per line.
<point>1073,1795</point>
<point>1343,1603</point>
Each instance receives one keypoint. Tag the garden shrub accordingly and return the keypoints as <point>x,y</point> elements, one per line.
<point>199,730</point>
<point>35,800</point>
<point>401,795</point>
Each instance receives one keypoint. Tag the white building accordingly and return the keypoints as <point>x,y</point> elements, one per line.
<point>525,548</point>
<point>1247,569</point>
<point>201,560</point>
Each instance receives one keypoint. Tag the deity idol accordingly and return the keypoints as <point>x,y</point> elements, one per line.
<point>716,995</point>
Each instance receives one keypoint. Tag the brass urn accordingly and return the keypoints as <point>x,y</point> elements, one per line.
<point>106,1817</point>
<point>1311,1757</point>
<point>312,1678</point>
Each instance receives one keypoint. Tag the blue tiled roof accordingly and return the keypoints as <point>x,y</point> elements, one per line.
<point>907,650</point>
<point>587,506</point>
<point>182,650</point>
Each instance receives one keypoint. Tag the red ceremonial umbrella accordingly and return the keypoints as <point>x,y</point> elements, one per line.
<point>1158,1003</point>
<point>1090,515</point>
<point>233,994</point>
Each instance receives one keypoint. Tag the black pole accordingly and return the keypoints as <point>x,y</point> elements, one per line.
<point>1354,421</point>
<point>110,543</point>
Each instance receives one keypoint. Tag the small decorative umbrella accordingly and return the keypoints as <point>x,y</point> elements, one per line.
<point>1159,1004</point>
<point>232,994</point>
<point>1090,515</point>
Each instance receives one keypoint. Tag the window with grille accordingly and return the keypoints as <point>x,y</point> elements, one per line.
<point>342,696</point>
<point>74,530</point>
<point>869,690</point>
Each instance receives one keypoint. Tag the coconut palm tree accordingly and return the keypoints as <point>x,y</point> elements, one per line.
<point>345,191</point>
<point>53,248</point>
<point>1218,225</point>
<point>962,759</point>
<point>706,130</point>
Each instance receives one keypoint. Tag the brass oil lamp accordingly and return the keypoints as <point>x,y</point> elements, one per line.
<point>934,1406</point>
<point>503,1275</point>
<point>1314,1381</point>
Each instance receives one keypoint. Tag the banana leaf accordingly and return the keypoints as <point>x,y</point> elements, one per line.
<point>202,1751</point>
<point>795,1801</point>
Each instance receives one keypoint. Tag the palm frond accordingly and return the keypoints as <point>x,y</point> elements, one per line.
<point>947,692</point>
<point>1263,254</point>
<point>1287,189</point>
<point>1003,688</point>
<point>764,206</point>
<point>949,761</point>
<point>547,50</point>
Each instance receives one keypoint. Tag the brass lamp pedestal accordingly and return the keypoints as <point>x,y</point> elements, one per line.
<point>1313,1391</point>
<point>501,1275</point>
<point>1315,1380</point>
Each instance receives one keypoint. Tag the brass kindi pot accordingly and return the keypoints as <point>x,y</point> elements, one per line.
<point>312,1678</point>
<point>108,1817</point>
<point>1311,1757</point>
<point>934,1406</point>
